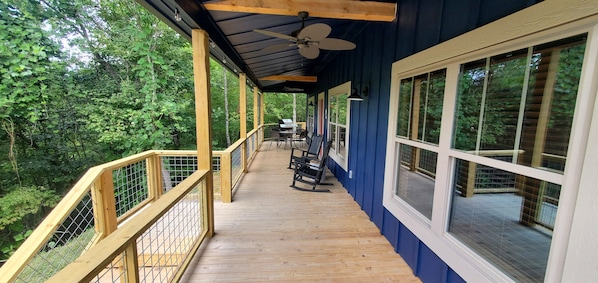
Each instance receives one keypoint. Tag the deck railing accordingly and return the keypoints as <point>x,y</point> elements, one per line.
<point>139,217</point>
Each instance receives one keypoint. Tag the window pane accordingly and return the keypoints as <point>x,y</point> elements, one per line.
<point>430,106</point>
<point>551,103</point>
<point>332,109</point>
<point>492,117</point>
<point>469,99</point>
<point>342,109</point>
<point>506,218</point>
<point>333,138</point>
<point>342,135</point>
<point>416,178</point>
<point>404,115</point>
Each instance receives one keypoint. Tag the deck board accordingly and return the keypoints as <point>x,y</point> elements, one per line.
<point>273,233</point>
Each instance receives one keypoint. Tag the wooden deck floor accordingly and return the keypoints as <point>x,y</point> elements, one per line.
<point>271,232</point>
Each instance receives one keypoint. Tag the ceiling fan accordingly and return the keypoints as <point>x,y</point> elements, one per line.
<point>308,39</point>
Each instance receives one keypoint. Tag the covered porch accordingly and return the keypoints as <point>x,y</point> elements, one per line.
<point>271,232</point>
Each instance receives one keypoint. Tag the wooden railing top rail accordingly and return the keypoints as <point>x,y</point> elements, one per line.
<point>39,237</point>
<point>496,152</point>
<point>99,256</point>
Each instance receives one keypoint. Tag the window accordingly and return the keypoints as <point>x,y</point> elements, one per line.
<point>514,107</point>
<point>338,123</point>
<point>310,121</point>
<point>483,145</point>
<point>419,115</point>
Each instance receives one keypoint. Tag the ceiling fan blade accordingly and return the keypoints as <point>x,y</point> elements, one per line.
<point>335,44</point>
<point>276,48</point>
<point>275,34</point>
<point>309,52</point>
<point>315,32</point>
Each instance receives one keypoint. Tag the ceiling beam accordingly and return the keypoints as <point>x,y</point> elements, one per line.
<point>334,9</point>
<point>308,79</point>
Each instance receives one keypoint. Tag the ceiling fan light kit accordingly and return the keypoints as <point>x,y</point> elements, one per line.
<point>308,40</point>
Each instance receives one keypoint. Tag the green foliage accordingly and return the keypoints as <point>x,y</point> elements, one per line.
<point>19,211</point>
<point>83,82</point>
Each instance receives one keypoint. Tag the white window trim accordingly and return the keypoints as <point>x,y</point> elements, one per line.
<point>341,160</point>
<point>541,23</point>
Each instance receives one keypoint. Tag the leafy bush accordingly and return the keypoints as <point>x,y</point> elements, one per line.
<point>19,212</point>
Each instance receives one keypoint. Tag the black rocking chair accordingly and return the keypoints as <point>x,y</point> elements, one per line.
<point>310,171</point>
<point>312,152</point>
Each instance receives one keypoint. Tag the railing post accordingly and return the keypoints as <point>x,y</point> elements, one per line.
<point>131,264</point>
<point>226,175</point>
<point>243,118</point>
<point>104,205</point>
<point>154,176</point>
<point>256,121</point>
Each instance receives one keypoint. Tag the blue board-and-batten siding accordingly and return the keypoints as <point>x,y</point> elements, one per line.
<point>420,24</point>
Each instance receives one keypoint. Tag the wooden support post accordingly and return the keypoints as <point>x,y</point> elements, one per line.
<point>243,118</point>
<point>203,117</point>
<point>256,111</point>
<point>226,177</point>
<point>262,109</point>
<point>104,205</point>
<point>130,264</point>
<point>154,176</point>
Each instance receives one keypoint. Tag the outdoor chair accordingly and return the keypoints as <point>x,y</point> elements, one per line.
<point>300,138</point>
<point>275,136</point>
<point>311,171</point>
<point>312,152</point>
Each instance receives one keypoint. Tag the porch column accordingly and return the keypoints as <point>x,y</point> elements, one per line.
<point>203,119</point>
<point>262,98</point>
<point>256,121</point>
<point>243,117</point>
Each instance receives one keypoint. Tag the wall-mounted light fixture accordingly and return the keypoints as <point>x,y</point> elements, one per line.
<point>177,16</point>
<point>359,94</point>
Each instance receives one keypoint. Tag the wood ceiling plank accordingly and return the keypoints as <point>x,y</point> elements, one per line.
<point>334,9</point>
<point>309,79</point>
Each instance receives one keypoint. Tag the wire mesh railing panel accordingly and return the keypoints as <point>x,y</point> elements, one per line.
<point>427,160</point>
<point>405,154</point>
<point>492,178</point>
<point>236,164</point>
<point>114,272</point>
<point>175,169</point>
<point>167,243</point>
<point>68,242</point>
<point>253,143</point>
<point>130,186</point>
<point>216,165</point>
